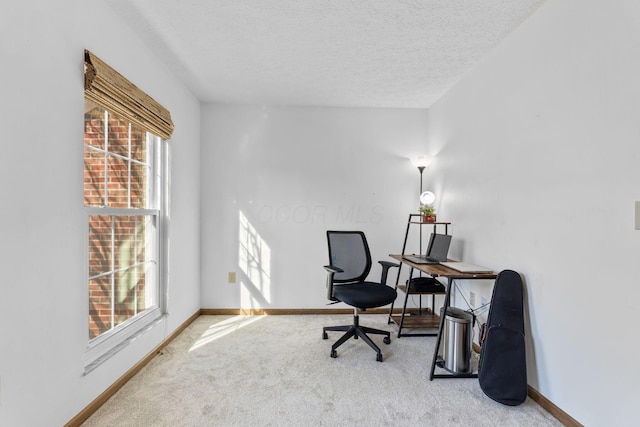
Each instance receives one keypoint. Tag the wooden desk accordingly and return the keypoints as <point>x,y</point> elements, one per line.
<point>437,270</point>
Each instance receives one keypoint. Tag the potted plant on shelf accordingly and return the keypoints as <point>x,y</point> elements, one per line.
<point>428,213</point>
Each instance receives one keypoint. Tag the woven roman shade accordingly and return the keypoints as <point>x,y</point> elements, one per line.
<point>109,89</point>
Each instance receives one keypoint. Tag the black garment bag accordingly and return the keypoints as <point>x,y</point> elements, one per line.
<point>502,370</point>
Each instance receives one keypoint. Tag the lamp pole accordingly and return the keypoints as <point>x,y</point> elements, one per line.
<point>420,312</point>
<point>421,162</point>
<point>421,169</point>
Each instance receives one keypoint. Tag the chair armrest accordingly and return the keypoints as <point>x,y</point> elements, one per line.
<point>332,269</point>
<point>330,272</point>
<point>386,265</point>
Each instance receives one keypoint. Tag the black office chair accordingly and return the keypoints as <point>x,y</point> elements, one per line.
<point>350,263</point>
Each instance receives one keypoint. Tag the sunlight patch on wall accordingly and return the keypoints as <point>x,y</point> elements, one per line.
<point>248,298</point>
<point>254,259</point>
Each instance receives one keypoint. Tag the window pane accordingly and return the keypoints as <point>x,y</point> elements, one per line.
<point>125,242</point>
<point>145,232</point>
<point>145,296</point>
<point>118,187</point>
<point>93,177</point>
<point>131,276</point>
<point>125,293</point>
<point>100,292</point>
<point>138,144</point>
<point>118,135</point>
<point>100,252</point>
<point>139,174</point>
<point>127,181</point>
<point>93,125</point>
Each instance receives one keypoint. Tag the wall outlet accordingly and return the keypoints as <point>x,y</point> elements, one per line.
<point>472,299</point>
<point>232,277</point>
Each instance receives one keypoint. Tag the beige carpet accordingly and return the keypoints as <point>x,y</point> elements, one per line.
<point>276,371</point>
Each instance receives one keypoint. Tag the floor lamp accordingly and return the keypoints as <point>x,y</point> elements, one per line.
<point>426,198</point>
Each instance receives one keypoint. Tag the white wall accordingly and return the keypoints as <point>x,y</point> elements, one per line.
<point>294,173</point>
<point>537,165</point>
<point>43,301</point>
<point>523,144</point>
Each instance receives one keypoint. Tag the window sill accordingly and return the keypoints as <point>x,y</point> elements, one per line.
<point>104,348</point>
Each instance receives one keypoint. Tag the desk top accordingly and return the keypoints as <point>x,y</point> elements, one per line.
<point>438,270</point>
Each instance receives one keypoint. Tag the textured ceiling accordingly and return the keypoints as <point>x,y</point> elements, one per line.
<point>365,53</point>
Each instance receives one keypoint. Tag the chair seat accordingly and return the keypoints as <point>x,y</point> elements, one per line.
<point>365,294</point>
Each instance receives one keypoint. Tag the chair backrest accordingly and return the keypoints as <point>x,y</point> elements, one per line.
<point>349,251</point>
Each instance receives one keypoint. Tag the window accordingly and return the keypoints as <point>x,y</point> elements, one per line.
<point>125,186</point>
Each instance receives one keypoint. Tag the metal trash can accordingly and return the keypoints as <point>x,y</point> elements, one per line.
<point>456,341</point>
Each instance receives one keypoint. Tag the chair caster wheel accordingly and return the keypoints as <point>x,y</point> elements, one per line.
<point>379,357</point>
<point>334,354</point>
<point>386,340</point>
<point>324,335</point>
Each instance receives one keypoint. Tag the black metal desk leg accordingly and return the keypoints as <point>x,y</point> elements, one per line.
<point>404,306</point>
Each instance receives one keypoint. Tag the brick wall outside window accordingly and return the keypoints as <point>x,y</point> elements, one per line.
<point>117,243</point>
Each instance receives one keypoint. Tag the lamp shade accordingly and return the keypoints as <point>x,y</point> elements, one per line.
<point>421,161</point>
<point>427,198</point>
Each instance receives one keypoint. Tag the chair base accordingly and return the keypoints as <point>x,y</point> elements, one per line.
<point>356,331</point>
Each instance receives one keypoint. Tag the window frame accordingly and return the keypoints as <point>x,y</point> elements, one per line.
<point>108,343</point>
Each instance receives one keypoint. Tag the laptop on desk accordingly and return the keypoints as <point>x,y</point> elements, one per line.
<point>437,250</point>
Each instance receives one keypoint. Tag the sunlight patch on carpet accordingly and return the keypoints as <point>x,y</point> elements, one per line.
<point>223,328</point>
